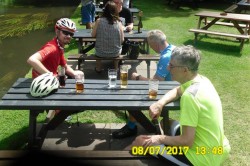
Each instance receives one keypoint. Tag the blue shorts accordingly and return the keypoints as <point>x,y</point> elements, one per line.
<point>88,13</point>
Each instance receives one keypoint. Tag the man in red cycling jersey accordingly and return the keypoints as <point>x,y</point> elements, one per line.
<point>51,55</point>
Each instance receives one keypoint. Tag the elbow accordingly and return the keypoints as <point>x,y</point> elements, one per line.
<point>29,61</point>
<point>93,34</point>
<point>188,142</point>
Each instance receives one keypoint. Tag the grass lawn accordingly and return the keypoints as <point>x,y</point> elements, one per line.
<point>222,63</point>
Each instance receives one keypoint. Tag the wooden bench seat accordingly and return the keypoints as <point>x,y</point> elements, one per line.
<point>92,157</point>
<point>219,33</point>
<point>121,57</point>
<point>242,38</point>
<point>142,57</point>
<point>227,24</point>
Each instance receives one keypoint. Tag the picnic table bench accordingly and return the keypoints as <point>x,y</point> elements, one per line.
<point>81,58</point>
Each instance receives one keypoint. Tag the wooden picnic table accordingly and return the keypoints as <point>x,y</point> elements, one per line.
<point>84,35</point>
<point>96,96</point>
<point>233,20</point>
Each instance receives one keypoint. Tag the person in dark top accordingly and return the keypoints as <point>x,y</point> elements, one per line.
<point>124,14</point>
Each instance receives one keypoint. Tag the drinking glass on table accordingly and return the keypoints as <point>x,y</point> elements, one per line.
<point>79,83</point>
<point>112,74</point>
<point>153,88</point>
<point>124,76</point>
<point>61,76</point>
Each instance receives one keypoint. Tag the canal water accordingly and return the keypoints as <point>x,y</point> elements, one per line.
<point>14,51</point>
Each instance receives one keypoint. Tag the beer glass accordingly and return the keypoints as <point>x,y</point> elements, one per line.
<point>112,74</point>
<point>153,88</point>
<point>61,76</point>
<point>124,76</point>
<point>79,83</point>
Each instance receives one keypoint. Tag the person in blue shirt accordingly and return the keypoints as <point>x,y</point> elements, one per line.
<point>158,42</point>
<point>88,13</point>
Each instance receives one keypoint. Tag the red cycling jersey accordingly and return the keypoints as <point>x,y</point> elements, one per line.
<point>52,57</point>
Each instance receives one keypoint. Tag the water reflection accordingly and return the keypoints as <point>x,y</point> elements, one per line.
<point>15,51</point>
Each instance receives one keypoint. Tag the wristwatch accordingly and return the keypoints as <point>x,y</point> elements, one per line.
<point>137,77</point>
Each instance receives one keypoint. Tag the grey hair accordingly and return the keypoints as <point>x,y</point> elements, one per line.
<point>187,56</point>
<point>156,36</point>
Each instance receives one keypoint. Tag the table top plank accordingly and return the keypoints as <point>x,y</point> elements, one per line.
<point>80,105</point>
<point>81,97</point>
<point>103,86</point>
<point>229,16</point>
<point>65,91</point>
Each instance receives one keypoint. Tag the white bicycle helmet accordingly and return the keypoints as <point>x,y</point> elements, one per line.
<point>66,24</point>
<point>44,85</point>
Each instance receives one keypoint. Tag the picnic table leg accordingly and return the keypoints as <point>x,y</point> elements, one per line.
<point>195,37</point>
<point>143,120</point>
<point>147,47</point>
<point>166,127</point>
<point>79,64</point>
<point>241,44</point>
<point>32,140</point>
<point>148,68</point>
<point>80,50</point>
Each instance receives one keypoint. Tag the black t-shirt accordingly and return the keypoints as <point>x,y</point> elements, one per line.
<point>127,15</point>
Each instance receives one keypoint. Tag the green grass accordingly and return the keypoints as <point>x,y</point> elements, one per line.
<point>222,63</point>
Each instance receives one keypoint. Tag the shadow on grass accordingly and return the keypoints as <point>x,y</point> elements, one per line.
<point>15,141</point>
<point>218,46</point>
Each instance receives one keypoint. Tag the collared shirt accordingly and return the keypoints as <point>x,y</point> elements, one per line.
<point>163,63</point>
<point>52,57</point>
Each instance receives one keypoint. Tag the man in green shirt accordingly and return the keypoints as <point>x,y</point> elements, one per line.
<point>202,140</point>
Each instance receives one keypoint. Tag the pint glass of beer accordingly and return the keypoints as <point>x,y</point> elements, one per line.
<point>153,88</point>
<point>124,76</point>
<point>79,83</point>
<point>61,76</point>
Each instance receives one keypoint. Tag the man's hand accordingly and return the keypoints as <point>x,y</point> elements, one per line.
<point>134,75</point>
<point>78,72</point>
<point>128,28</point>
<point>155,110</point>
<point>147,140</point>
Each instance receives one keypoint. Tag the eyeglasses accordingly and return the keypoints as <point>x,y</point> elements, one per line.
<point>66,33</point>
<point>173,66</point>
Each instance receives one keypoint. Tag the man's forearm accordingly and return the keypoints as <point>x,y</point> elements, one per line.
<point>170,96</point>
